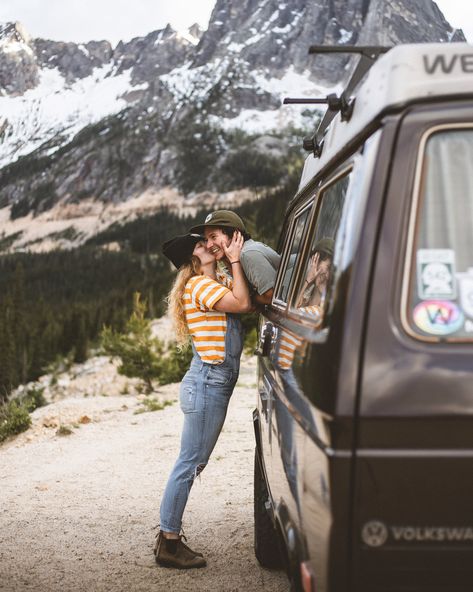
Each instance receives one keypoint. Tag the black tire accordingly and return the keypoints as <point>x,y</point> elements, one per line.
<point>266,536</point>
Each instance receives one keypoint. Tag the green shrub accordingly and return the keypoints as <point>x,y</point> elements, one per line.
<point>140,354</point>
<point>175,364</point>
<point>14,419</point>
<point>64,430</point>
<point>34,398</point>
<point>251,341</point>
<point>143,356</point>
<point>152,405</point>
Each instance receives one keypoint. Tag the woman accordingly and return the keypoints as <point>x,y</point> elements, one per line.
<point>202,308</point>
<point>318,272</point>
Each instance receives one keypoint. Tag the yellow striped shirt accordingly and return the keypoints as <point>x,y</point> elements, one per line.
<point>206,326</point>
<point>288,343</point>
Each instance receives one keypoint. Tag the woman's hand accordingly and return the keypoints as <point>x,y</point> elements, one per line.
<point>232,252</point>
<point>238,300</point>
<point>313,271</point>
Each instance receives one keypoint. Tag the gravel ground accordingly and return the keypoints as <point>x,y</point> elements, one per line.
<point>80,511</point>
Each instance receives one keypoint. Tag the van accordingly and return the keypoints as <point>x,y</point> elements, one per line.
<point>364,420</point>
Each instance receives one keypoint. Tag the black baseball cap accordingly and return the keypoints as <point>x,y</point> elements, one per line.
<point>180,248</point>
<point>220,219</point>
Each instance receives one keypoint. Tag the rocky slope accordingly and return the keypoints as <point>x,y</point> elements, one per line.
<point>91,122</point>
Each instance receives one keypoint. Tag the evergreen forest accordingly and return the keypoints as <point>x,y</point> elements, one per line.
<point>54,305</point>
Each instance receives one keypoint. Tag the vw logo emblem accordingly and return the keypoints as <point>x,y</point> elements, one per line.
<point>374,533</point>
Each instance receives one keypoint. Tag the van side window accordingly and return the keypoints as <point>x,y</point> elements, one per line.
<point>313,293</point>
<point>439,302</point>
<point>293,253</point>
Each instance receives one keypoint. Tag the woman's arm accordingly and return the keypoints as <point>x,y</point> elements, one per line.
<point>238,300</point>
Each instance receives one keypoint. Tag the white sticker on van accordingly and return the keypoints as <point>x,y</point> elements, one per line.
<point>436,274</point>
<point>465,286</point>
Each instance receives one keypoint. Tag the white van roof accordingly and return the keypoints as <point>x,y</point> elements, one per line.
<point>404,74</point>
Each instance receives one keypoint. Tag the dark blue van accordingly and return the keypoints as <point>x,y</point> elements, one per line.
<point>364,422</point>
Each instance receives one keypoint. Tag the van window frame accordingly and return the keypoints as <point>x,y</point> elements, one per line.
<point>342,170</point>
<point>412,234</point>
<point>307,203</point>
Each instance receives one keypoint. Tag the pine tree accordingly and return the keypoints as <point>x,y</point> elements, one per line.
<point>81,340</point>
<point>19,324</point>
<point>7,357</point>
<point>140,354</point>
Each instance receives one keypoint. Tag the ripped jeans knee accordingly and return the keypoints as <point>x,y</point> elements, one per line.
<point>198,469</point>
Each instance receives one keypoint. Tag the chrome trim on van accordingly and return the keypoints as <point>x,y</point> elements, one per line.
<point>413,223</point>
<point>421,453</point>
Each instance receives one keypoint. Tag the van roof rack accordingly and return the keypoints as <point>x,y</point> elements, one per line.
<point>343,103</point>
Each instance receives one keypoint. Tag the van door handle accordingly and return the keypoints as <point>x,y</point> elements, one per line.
<point>268,333</point>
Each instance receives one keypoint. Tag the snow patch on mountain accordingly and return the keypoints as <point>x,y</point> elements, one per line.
<point>187,81</point>
<point>55,110</point>
<point>187,36</point>
<point>292,84</point>
<point>9,46</point>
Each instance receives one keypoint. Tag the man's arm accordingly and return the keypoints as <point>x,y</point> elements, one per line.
<point>264,298</point>
<point>260,273</point>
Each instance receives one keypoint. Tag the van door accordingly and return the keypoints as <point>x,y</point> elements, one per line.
<point>270,418</point>
<point>319,302</point>
<point>413,510</point>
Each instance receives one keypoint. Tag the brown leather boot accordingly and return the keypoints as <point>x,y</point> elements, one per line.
<point>174,553</point>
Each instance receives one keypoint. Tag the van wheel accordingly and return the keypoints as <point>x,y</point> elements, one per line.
<point>266,536</point>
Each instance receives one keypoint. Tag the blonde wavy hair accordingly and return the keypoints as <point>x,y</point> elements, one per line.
<point>175,299</point>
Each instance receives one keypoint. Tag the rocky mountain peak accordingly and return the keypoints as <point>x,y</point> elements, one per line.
<point>196,31</point>
<point>278,33</point>
<point>74,61</point>
<point>160,112</point>
<point>18,67</point>
<point>13,33</point>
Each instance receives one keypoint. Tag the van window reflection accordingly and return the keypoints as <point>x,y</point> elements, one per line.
<point>293,255</point>
<point>314,288</point>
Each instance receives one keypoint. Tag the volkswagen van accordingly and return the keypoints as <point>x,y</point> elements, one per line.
<point>364,420</point>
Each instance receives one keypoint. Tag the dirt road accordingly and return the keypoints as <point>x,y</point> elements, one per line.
<point>79,512</point>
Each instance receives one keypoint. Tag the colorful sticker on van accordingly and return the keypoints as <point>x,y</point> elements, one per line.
<point>438,317</point>
<point>436,274</point>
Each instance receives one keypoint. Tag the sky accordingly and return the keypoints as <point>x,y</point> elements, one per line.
<point>86,20</point>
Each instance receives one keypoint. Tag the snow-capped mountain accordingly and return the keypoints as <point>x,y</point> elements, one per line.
<point>50,90</point>
<point>88,123</point>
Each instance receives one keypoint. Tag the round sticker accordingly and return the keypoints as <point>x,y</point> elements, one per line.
<point>209,217</point>
<point>438,317</point>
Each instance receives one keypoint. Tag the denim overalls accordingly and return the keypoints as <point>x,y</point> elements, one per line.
<point>204,396</point>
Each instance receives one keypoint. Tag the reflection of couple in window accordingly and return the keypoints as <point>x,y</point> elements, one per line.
<point>312,296</point>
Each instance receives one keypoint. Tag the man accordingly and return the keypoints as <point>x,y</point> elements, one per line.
<point>259,262</point>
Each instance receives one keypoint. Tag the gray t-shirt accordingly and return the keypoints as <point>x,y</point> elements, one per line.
<point>260,264</point>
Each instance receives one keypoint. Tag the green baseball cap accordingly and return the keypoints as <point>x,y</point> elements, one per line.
<point>220,218</point>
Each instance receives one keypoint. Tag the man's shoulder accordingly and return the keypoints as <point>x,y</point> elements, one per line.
<point>256,253</point>
<point>252,245</point>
